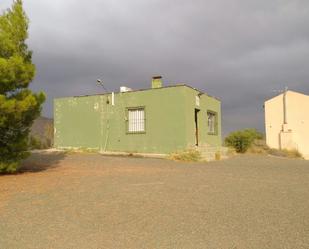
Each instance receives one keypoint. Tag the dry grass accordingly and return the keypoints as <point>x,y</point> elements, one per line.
<point>260,147</point>
<point>231,152</point>
<point>285,153</point>
<point>81,150</point>
<point>186,156</point>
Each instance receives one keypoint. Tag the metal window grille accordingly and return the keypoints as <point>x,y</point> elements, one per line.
<point>211,122</point>
<point>136,120</point>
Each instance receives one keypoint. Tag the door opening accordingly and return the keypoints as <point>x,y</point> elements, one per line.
<point>196,114</point>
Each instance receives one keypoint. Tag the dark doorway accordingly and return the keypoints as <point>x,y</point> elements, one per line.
<point>196,114</point>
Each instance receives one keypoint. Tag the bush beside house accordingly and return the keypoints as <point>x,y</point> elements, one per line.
<point>243,139</point>
<point>253,141</point>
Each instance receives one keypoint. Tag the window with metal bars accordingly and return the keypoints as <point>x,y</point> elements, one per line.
<point>212,122</point>
<point>136,120</point>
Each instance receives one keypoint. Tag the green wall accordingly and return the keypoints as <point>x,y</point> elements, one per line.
<point>76,122</point>
<point>91,122</point>
<point>206,103</point>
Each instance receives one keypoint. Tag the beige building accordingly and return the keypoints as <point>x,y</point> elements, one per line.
<point>287,122</point>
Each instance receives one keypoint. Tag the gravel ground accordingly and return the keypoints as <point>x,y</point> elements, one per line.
<point>93,201</point>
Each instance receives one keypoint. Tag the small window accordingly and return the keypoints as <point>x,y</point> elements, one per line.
<point>212,122</point>
<point>136,120</point>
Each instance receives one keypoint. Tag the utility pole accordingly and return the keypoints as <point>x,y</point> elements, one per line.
<point>284,105</point>
<point>105,116</point>
<point>100,83</point>
<point>284,91</point>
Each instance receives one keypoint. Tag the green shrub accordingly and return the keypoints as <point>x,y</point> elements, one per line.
<point>186,156</point>
<point>243,139</point>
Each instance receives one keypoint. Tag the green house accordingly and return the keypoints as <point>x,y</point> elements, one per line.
<point>158,120</point>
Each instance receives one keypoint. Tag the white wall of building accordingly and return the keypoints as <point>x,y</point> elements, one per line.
<point>294,134</point>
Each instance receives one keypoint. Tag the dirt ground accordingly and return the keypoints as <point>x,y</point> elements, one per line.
<point>92,201</point>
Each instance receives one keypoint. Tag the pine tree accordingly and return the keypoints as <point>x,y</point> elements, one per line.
<point>18,105</point>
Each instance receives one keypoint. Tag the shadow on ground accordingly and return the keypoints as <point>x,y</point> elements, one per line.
<point>41,161</point>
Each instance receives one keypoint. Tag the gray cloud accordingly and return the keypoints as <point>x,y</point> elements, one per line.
<point>238,50</point>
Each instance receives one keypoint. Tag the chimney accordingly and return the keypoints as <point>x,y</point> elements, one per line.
<point>156,82</point>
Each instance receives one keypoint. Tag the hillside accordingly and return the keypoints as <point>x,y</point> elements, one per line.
<point>43,130</point>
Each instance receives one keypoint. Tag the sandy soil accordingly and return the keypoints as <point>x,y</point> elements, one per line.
<point>92,201</point>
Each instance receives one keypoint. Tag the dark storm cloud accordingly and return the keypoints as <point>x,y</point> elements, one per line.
<point>238,50</point>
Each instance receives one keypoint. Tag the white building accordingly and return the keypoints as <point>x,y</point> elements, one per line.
<point>287,122</point>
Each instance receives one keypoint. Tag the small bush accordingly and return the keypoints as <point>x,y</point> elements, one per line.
<point>186,156</point>
<point>242,140</point>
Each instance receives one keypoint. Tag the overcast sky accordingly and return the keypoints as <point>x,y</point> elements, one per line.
<point>238,50</point>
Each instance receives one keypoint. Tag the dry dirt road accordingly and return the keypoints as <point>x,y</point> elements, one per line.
<point>92,201</point>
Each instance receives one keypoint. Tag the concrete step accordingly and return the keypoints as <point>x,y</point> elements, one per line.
<point>211,153</point>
